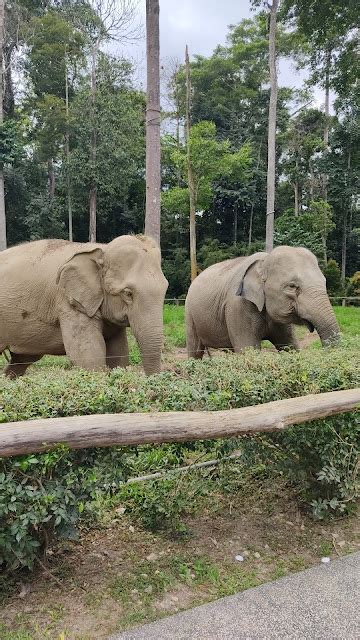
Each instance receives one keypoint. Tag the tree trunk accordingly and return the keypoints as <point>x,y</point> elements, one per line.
<point>327,113</point>
<point>252,203</point>
<point>345,225</point>
<point>251,224</point>
<point>178,171</point>
<point>67,152</point>
<point>153,157</point>
<point>327,95</point>
<point>93,185</point>
<point>296,198</point>
<point>122,429</point>
<point>344,251</point>
<point>2,189</point>
<point>235,223</point>
<point>311,185</point>
<point>191,181</point>
<point>8,98</point>
<point>51,178</point>
<point>270,202</point>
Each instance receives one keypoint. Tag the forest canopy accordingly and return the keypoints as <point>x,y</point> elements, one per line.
<point>74,130</point>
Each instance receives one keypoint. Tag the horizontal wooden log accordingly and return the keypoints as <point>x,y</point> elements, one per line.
<point>17,438</point>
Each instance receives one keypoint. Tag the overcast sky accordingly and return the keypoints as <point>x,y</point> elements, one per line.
<point>202,24</point>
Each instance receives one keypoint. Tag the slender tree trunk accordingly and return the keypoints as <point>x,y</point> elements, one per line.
<point>296,198</point>
<point>178,135</point>
<point>51,178</point>
<point>327,95</point>
<point>2,189</point>
<point>344,250</point>
<point>191,181</point>
<point>252,203</point>
<point>235,223</point>
<point>93,185</point>
<point>345,225</point>
<point>311,185</point>
<point>251,224</point>
<point>327,114</point>
<point>8,98</point>
<point>270,202</point>
<point>67,152</point>
<point>153,156</point>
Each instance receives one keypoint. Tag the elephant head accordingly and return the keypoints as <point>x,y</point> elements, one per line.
<point>121,282</point>
<point>288,283</point>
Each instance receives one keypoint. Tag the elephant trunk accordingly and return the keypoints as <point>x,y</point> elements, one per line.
<point>323,319</point>
<point>150,341</point>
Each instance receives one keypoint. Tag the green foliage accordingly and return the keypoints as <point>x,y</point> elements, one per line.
<point>10,142</point>
<point>120,147</point>
<point>353,288</point>
<point>298,232</point>
<point>45,495</point>
<point>54,43</point>
<point>211,160</point>
<point>332,274</point>
<point>161,504</point>
<point>321,458</point>
<point>48,494</point>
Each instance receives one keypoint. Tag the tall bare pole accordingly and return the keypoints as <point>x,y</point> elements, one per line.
<point>153,175</point>
<point>67,151</point>
<point>93,151</point>
<point>2,190</point>
<point>270,201</point>
<point>191,182</point>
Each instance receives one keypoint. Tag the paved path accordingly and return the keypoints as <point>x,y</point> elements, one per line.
<point>322,603</point>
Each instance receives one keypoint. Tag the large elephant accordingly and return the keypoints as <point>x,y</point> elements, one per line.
<point>59,297</point>
<point>240,302</point>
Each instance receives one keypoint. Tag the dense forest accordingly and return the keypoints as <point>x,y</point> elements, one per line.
<point>73,134</point>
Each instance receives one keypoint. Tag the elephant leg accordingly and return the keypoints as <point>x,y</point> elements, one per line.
<point>83,340</point>
<point>117,350</point>
<point>18,364</point>
<point>195,348</point>
<point>282,337</point>
<point>245,334</point>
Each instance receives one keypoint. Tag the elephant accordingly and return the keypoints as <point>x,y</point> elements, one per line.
<point>240,302</point>
<point>65,298</point>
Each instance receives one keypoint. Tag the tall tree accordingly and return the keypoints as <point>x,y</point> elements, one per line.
<point>191,182</point>
<point>114,21</point>
<point>153,178</point>
<point>270,200</point>
<point>2,191</point>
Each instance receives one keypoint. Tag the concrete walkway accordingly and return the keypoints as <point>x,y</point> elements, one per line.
<point>322,603</point>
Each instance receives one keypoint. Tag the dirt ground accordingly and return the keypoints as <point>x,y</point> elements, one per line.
<point>121,575</point>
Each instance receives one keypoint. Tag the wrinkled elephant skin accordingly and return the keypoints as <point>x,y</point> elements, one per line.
<point>59,297</point>
<point>240,302</point>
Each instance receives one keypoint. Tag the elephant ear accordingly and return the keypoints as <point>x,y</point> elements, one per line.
<point>251,280</point>
<point>80,278</point>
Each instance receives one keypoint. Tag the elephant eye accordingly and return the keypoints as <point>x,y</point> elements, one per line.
<point>292,287</point>
<point>128,294</point>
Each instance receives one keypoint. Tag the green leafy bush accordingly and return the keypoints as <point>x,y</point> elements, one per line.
<point>353,287</point>
<point>320,457</point>
<point>332,274</point>
<point>46,494</point>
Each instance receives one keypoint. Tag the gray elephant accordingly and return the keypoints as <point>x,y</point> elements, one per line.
<point>240,302</point>
<point>59,297</point>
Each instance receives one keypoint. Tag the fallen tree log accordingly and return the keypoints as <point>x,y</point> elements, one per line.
<point>79,432</point>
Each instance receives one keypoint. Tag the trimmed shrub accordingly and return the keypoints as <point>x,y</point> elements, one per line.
<point>45,495</point>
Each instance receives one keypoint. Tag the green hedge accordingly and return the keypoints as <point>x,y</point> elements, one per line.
<point>42,495</point>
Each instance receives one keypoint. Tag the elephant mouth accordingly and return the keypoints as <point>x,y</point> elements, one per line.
<point>309,325</point>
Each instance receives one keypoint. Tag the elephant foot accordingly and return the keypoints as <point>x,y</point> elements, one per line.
<point>18,364</point>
